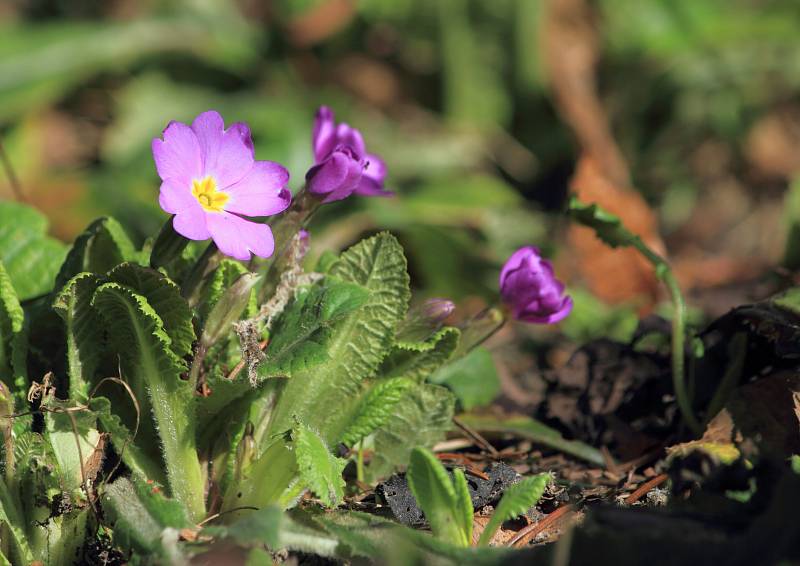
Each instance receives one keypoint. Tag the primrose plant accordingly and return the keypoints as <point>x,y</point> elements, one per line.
<point>153,390</point>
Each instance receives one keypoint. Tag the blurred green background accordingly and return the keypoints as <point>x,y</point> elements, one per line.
<point>461,98</point>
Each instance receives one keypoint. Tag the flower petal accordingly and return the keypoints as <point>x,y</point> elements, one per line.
<point>336,177</point>
<point>558,315</point>
<point>376,168</point>
<point>237,237</point>
<point>261,192</point>
<point>176,196</point>
<point>348,135</point>
<point>191,223</point>
<point>227,154</point>
<point>516,260</point>
<point>323,137</point>
<point>178,155</point>
<point>371,188</point>
<point>244,133</point>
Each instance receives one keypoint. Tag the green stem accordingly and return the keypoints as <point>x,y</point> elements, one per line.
<point>477,330</point>
<point>664,273</point>
<point>360,462</point>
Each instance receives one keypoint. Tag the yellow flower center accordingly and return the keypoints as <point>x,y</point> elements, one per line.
<point>207,194</point>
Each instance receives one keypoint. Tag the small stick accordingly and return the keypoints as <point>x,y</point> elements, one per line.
<point>475,435</point>
<point>13,180</point>
<point>643,489</point>
<point>217,515</point>
<point>529,532</point>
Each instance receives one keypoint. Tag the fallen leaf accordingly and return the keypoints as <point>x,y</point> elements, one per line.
<point>621,274</point>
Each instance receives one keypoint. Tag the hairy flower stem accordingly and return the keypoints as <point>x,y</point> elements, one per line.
<point>360,462</point>
<point>609,229</point>
<point>478,329</point>
<point>284,228</point>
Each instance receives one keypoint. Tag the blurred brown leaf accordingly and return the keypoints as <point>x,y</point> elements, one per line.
<point>772,144</point>
<point>321,22</point>
<point>613,275</point>
<point>571,47</point>
<point>570,42</point>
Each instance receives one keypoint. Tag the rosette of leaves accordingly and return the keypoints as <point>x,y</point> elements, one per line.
<point>139,375</point>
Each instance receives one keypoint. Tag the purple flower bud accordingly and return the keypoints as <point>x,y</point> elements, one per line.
<point>342,164</point>
<point>303,243</point>
<point>338,175</point>
<point>437,310</point>
<point>530,288</point>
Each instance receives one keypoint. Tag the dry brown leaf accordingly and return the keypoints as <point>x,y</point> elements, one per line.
<point>571,51</point>
<point>613,275</point>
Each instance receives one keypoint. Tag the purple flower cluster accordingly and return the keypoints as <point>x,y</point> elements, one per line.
<point>530,289</point>
<point>342,164</point>
<point>210,179</point>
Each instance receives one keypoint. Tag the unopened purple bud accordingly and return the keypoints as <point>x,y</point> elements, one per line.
<point>302,244</point>
<point>338,176</point>
<point>437,310</point>
<point>353,170</point>
<point>530,289</point>
<point>304,238</point>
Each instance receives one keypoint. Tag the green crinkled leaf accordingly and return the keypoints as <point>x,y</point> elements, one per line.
<point>376,407</point>
<point>138,335</point>
<point>439,497</point>
<point>222,278</point>
<point>31,258</point>
<point>141,514</point>
<point>84,333</point>
<point>302,334</point>
<point>327,365</point>
<point>472,378</point>
<point>517,500</point>
<point>165,297</point>
<point>417,360</point>
<point>12,319</point>
<point>421,418</point>
<point>326,260</point>
<point>139,461</point>
<point>98,249</point>
<point>11,515</point>
<point>608,227</point>
<point>319,470</point>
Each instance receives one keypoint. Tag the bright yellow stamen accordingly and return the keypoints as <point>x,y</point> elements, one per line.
<point>206,193</point>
